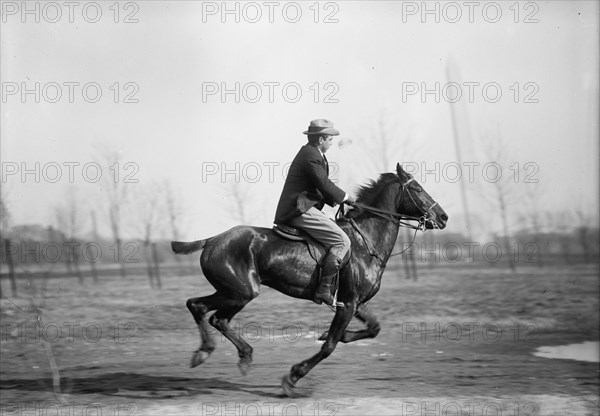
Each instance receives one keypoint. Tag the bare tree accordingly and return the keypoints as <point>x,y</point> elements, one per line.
<point>384,147</point>
<point>387,144</point>
<point>5,242</point>
<point>148,214</point>
<point>95,236</point>
<point>238,200</point>
<point>61,224</point>
<point>69,221</point>
<point>501,189</point>
<point>532,218</point>
<point>562,222</point>
<point>583,231</point>
<point>118,196</point>
<point>174,210</point>
<point>5,218</point>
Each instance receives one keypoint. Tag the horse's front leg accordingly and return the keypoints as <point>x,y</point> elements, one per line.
<point>365,316</point>
<point>342,318</point>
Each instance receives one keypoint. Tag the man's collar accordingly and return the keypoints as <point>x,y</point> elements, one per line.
<point>316,147</point>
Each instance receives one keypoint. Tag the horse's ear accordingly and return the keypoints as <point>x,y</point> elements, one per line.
<point>398,169</point>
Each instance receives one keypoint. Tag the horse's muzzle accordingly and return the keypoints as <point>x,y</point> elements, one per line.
<point>437,223</point>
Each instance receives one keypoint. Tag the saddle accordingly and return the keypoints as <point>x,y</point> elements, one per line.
<point>316,250</point>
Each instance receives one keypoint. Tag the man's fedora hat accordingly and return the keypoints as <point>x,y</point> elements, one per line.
<point>321,126</point>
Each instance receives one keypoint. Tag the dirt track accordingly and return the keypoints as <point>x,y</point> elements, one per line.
<point>457,340</point>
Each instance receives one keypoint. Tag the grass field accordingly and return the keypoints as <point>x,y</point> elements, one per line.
<point>459,341</point>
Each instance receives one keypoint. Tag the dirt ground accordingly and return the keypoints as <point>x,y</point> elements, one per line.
<point>458,341</point>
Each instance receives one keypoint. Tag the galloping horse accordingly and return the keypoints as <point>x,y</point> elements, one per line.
<point>239,260</point>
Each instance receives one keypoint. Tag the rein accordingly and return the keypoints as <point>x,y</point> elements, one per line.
<point>392,216</point>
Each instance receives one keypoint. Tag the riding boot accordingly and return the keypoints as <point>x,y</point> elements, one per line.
<point>331,266</point>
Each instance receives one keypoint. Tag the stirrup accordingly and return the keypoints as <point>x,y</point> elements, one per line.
<point>336,304</point>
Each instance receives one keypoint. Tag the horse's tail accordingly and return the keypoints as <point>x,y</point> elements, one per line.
<point>180,247</point>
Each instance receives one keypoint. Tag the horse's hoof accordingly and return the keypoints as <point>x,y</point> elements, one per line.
<point>245,366</point>
<point>198,358</point>
<point>288,386</point>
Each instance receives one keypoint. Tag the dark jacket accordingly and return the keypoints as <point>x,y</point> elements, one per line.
<point>307,185</point>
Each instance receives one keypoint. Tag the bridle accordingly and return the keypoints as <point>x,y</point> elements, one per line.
<point>396,218</point>
<point>399,219</point>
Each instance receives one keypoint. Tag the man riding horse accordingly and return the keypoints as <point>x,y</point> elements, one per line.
<point>237,262</point>
<point>307,188</point>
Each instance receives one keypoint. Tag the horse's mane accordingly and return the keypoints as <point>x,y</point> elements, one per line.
<point>369,193</point>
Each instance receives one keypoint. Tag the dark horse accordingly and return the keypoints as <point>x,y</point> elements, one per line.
<point>239,260</point>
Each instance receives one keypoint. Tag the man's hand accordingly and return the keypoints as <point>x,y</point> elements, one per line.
<point>350,201</point>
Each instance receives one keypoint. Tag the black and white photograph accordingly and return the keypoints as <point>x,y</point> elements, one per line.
<point>308,208</point>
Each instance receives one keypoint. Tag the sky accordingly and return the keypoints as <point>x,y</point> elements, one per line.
<point>185,94</point>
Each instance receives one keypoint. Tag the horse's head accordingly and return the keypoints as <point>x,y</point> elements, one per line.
<point>414,201</point>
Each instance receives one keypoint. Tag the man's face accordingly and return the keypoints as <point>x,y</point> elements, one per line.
<point>325,143</point>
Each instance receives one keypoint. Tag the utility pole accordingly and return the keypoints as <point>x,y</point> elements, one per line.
<point>463,189</point>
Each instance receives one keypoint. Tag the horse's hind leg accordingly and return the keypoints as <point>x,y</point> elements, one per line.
<point>199,307</point>
<point>220,320</point>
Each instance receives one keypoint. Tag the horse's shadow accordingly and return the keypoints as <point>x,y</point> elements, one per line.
<point>135,385</point>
